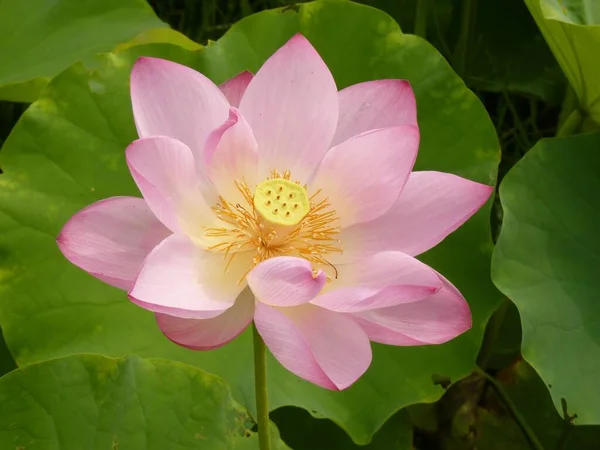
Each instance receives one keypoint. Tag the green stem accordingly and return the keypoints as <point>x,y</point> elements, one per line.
<point>421,19</point>
<point>527,431</point>
<point>260,386</point>
<point>462,44</point>
<point>571,124</point>
<point>491,334</point>
<point>525,142</point>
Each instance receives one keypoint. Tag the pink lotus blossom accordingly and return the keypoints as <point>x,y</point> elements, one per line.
<point>278,199</point>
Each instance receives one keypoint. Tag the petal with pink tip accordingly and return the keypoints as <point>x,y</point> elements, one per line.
<point>173,100</point>
<point>207,334</point>
<point>431,206</point>
<point>182,280</point>
<point>363,176</point>
<point>382,280</point>
<point>434,320</point>
<point>326,348</point>
<point>285,281</point>
<point>292,106</point>
<point>110,239</point>
<point>164,170</point>
<point>231,155</point>
<point>234,88</point>
<point>375,104</point>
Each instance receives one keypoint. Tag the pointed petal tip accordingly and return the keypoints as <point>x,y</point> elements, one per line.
<point>245,75</point>
<point>299,38</point>
<point>299,41</point>
<point>480,192</point>
<point>234,87</point>
<point>149,60</point>
<point>144,63</point>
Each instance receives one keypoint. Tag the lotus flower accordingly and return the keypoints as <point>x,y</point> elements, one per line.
<point>278,199</point>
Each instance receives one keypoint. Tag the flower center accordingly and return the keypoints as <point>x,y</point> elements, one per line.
<point>277,218</point>
<point>281,201</point>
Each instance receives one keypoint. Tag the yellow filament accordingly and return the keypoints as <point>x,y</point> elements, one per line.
<point>310,233</point>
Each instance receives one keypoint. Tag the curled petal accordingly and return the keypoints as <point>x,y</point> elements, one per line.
<point>182,280</point>
<point>326,348</point>
<point>363,176</point>
<point>110,239</point>
<point>285,281</point>
<point>230,154</point>
<point>292,106</point>
<point>434,320</point>
<point>375,104</point>
<point>207,334</point>
<point>234,88</point>
<point>175,101</point>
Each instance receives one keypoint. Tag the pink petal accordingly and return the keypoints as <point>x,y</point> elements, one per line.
<point>355,299</point>
<point>285,281</point>
<point>326,348</point>
<point>234,88</point>
<point>435,320</point>
<point>164,170</point>
<point>375,104</point>
<point>207,334</point>
<point>389,268</point>
<point>292,106</point>
<point>431,206</point>
<point>110,239</point>
<point>363,176</point>
<point>182,280</point>
<point>382,280</point>
<point>175,101</point>
<point>230,155</point>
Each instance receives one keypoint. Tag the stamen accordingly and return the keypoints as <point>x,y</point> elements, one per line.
<point>303,229</point>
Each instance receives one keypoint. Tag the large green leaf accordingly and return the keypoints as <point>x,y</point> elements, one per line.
<point>547,262</point>
<point>572,30</point>
<point>93,402</point>
<point>68,151</point>
<point>40,38</point>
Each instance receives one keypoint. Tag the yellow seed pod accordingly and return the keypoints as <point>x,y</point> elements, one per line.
<point>281,201</point>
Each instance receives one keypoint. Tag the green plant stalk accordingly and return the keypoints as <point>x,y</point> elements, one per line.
<point>527,431</point>
<point>571,124</point>
<point>522,131</point>
<point>260,387</point>
<point>462,44</point>
<point>421,19</point>
<point>491,334</point>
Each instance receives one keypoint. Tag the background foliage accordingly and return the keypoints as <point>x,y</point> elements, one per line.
<point>524,377</point>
